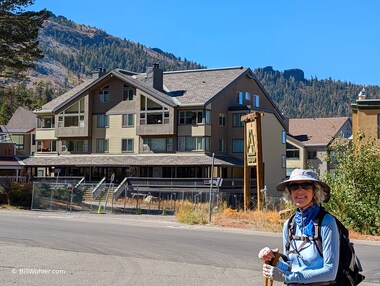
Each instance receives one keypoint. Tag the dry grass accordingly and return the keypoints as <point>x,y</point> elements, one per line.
<point>267,221</point>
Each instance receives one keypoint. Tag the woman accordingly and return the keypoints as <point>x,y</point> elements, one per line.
<point>306,266</point>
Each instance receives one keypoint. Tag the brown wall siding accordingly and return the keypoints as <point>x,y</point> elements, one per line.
<point>366,123</point>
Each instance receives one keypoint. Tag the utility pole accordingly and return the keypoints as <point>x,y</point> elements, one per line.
<point>211,183</point>
<point>252,156</point>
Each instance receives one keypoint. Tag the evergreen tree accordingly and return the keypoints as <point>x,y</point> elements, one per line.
<point>18,38</point>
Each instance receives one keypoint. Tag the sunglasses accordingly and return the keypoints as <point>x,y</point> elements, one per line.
<point>305,186</point>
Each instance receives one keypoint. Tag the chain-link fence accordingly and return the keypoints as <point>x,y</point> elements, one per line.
<point>71,194</point>
<point>61,195</point>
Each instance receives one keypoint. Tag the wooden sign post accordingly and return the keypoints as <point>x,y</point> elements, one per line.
<point>252,156</point>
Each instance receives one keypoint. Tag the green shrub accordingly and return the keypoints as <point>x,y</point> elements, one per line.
<point>355,186</point>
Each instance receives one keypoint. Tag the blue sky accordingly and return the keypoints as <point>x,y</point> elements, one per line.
<point>325,38</point>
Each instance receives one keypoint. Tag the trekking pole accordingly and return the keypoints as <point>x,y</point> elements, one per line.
<point>273,262</point>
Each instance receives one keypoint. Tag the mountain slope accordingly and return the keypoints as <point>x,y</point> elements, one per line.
<point>298,97</point>
<point>72,51</point>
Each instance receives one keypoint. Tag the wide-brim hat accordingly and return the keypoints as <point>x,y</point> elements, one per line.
<point>305,175</point>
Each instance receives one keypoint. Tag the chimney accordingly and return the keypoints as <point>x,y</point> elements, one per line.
<point>154,77</point>
<point>362,94</point>
<point>99,73</point>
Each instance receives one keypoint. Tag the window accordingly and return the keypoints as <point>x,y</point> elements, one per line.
<point>238,145</point>
<point>104,95</point>
<point>128,120</point>
<point>72,116</point>
<point>256,101</point>
<point>312,155</point>
<point>283,137</point>
<point>222,145</point>
<point>195,117</point>
<point>128,92</point>
<point>240,97</point>
<point>127,145</point>
<point>292,152</point>
<point>193,143</point>
<point>101,145</point>
<point>247,96</point>
<point>152,112</point>
<point>236,120</point>
<point>45,122</point>
<point>207,117</point>
<point>46,145</point>
<point>283,161</point>
<point>75,146</point>
<point>333,159</point>
<point>222,119</point>
<point>146,171</point>
<point>288,172</point>
<point>158,144</point>
<point>18,139</point>
<point>102,121</point>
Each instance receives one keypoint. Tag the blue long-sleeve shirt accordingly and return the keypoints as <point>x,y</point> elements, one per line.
<point>308,266</point>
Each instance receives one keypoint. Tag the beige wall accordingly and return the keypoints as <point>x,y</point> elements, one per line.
<point>115,133</point>
<point>194,130</point>
<point>273,149</point>
<point>97,133</point>
<point>45,134</point>
<point>297,163</point>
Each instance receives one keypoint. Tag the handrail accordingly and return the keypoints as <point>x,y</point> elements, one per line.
<point>119,189</point>
<point>96,191</point>
<point>79,183</point>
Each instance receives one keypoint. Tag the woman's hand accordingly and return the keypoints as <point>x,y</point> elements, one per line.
<point>273,273</point>
<point>267,254</point>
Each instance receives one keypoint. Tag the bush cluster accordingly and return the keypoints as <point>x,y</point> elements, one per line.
<point>16,194</point>
<point>192,213</point>
<point>355,186</point>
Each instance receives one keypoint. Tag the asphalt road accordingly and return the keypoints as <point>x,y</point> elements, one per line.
<point>40,248</point>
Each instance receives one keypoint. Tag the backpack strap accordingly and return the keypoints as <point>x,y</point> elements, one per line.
<point>291,231</point>
<point>316,238</point>
<point>317,230</point>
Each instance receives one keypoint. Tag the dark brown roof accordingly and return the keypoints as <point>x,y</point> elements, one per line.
<point>131,160</point>
<point>197,87</point>
<point>189,87</point>
<point>316,131</point>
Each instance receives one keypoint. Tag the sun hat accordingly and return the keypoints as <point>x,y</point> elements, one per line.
<point>305,175</point>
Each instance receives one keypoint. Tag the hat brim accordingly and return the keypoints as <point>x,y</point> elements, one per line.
<point>326,188</point>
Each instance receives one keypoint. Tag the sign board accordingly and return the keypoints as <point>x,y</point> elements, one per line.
<point>215,182</point>
<point>251,142</point>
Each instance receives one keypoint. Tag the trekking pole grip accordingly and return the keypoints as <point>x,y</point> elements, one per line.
<point>272,262</point>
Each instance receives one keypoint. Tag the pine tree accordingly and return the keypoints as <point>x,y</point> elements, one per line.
<point>18,38</point>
